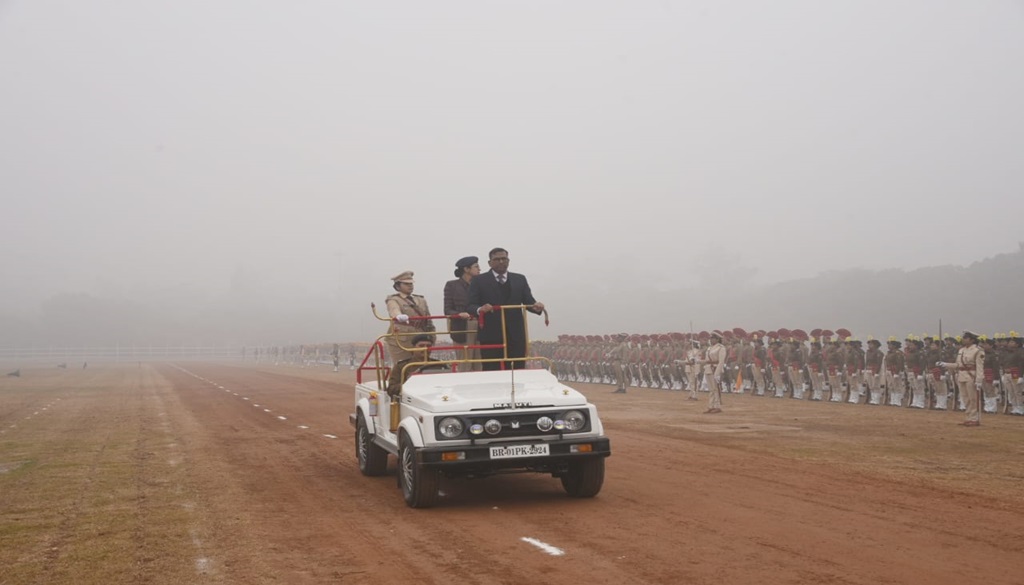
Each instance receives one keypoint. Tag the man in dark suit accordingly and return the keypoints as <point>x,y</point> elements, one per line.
<point>502,288</point>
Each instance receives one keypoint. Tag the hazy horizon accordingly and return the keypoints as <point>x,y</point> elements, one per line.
<point>263,154</point>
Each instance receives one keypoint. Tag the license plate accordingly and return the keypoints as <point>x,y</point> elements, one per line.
<point>510,451</point>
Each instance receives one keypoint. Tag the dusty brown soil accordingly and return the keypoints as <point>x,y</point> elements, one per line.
<point>231,474</point>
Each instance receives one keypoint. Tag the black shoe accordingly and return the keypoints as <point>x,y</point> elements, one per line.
<point>619,391</point>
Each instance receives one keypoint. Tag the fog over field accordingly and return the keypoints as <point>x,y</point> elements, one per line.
<point>255,172</point>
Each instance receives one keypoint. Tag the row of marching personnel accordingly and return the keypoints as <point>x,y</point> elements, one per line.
<point>917,372</point>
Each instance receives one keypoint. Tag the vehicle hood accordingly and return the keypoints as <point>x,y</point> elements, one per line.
<point>464,391</point>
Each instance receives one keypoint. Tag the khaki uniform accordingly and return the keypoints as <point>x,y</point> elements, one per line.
<point>402,333</point>
<point>970,375</point>
<point>714,369</point>
<point>471,354</point>
<point>617,358</point>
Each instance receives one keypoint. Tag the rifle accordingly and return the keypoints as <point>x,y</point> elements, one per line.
<point>884,373</point>
<point>907,388</point>
<point>956,396</point>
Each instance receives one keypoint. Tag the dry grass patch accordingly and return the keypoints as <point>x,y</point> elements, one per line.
<point>90,487</point>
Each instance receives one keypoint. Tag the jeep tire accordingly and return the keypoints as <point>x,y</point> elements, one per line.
<point>584,478</point>
<point>373,460</point>
<point>419,484</point>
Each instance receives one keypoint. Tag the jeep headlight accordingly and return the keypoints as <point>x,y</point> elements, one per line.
<point>574,421</point>
<point>493,426</point>
<point>450,427</point>
<point>545,424</point>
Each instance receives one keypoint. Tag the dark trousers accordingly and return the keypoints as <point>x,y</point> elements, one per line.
<point>516,349</point>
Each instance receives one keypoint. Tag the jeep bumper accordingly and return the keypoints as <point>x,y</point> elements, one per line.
<point>473,459</point>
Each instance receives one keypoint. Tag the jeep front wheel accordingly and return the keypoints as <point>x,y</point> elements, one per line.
<point>584,478</point>
<point>373,460</point>
<point>419,484</point>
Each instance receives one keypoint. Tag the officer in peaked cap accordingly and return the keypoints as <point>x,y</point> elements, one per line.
<point>617,358</point>
<point>714,370</point>
<point>969,368</point>
<point>405,310</point>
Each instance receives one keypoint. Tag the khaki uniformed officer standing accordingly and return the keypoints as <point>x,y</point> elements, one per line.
<point>401,306</point>
<point>617,357</point>
<point>970,375</point>
<point>714,367</point>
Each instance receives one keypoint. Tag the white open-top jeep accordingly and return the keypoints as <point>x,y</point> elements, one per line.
<point>461,423</point>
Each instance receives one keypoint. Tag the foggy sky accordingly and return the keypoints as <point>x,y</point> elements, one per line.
<point>195,151</point>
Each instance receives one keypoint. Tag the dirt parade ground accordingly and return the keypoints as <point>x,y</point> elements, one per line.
<point>211,473</point>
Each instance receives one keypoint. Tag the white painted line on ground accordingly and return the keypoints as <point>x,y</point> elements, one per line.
<point>303,427</point>
<point>266,410</point>
<point>282,418</point>
<point>330,436</point>
<point>551,550</point>
<point>245,398</point>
